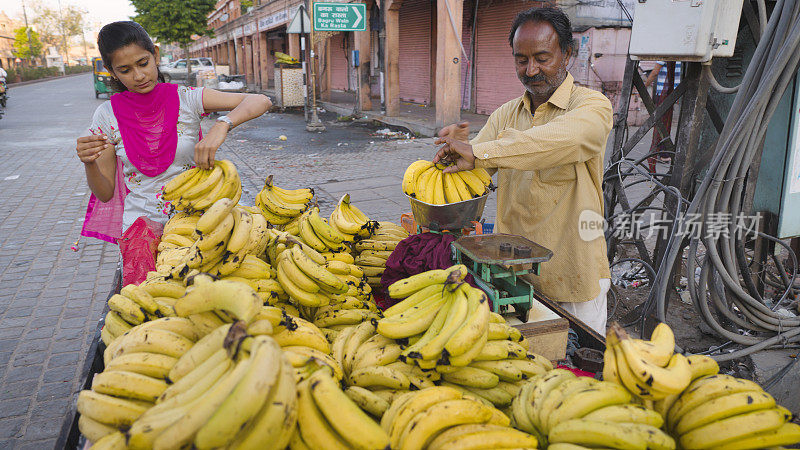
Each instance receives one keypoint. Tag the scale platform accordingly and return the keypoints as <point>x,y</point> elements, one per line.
<point>497,262</point>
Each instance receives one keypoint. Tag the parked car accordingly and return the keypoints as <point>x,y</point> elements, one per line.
<point>176,71</point>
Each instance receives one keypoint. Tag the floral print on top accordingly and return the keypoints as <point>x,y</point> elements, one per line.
<point>145,196</point>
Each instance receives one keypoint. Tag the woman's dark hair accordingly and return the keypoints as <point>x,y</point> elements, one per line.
<point>549,14</point>
<point>116,35</point>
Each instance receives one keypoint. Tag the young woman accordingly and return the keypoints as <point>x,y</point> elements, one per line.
<point>151,129</point>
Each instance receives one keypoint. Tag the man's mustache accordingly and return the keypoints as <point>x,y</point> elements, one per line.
<point>538,78</point>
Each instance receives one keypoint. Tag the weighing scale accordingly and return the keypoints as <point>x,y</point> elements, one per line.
<point>498,262</point>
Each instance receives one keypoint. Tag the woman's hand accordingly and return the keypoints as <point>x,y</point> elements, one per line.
<point>206,149</point>
<point>89,148</point>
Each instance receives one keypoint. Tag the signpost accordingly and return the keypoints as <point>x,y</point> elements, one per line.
<point>340,16</point>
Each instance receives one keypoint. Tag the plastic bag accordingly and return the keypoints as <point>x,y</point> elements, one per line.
<point>138,246</point>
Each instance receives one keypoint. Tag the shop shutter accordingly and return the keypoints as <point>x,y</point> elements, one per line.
<point>338,63</point>
<point>496,79</point>
<point>415,51</point>
<point>466,41</point>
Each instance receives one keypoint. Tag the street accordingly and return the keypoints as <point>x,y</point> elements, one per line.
<point>52,297</point>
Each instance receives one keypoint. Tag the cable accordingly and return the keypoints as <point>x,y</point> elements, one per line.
<point>725,295</point>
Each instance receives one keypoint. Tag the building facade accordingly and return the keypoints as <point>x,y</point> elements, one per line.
<point>451,55</point>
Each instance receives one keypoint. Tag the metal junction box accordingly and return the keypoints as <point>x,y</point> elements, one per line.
<point>778,184</point>
<point>684,30</point>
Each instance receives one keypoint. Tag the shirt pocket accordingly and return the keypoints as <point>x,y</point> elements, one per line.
<point>558,175</point>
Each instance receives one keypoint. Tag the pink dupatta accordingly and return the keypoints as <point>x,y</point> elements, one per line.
<point>148,125</point>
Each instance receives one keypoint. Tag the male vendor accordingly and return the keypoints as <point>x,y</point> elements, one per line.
<point>547,147</point>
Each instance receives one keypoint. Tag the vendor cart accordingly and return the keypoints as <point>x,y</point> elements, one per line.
<point>70,437</point>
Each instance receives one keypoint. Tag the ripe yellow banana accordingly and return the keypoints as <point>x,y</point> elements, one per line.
<point>730,430</point>
<point>351,423</point>
<point>722,408</point>
<point>205,185</point>
<point>303,336</point>
<point>247,397</point>
<point>120,383</point>
<point>108,410</point>
<point>476,323</point>
<point>180,181</point>
<point>426,425</point>
<point>237,299</point>
<point>276,421</point>
<point>315,430</point>
<point>593,433</point>
<point>473,183</point>
<point>436,184</point>
<point>182,432</point>
<point>414,404</point>
<point>127,309</point>
<point>411,175</point>
<point>367,400</point>
<point>149,364</point>
<point>422,187</point>
<point>414,283</point>
<point>316,271</point>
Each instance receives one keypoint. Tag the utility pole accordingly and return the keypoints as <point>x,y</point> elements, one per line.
<point>28,32</point>
<point>314,124</point>
<point>63,34</point>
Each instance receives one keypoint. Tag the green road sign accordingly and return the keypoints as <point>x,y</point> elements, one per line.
<point>340,16</point>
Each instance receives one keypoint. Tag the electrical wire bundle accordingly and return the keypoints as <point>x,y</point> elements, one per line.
<point>726,295</point>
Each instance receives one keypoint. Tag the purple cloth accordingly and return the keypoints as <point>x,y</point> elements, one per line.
<point>416,254</point>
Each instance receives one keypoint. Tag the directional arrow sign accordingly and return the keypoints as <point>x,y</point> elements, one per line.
<point>340,16</point>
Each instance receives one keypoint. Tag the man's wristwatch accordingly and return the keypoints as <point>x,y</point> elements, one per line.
<point>227,120</point>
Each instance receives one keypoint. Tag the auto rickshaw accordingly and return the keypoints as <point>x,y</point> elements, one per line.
<point>102,79</point>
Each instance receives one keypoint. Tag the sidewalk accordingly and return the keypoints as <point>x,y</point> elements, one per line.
<point>417,118</point>
<point>346,158</point>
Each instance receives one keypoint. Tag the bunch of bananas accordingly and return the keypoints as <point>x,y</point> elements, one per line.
<point>370,361</point>
<point>721,411</point>
<point>329,419</point>
<point>444,317</point>
<point>285,59</point>
<point>226,234</point>
<point>302,342</point>
<point>350,221</point>
<point>564,409</point>
<point>136,365</point>
<point>648,369</point>
<point>179,232</point>
<point>344,312</point>
<point>375,250</point>
<point>318,234</point>
<point>260,276</point>
<point>428,183</point>
<point>197,189</point>
<point>443,418</point>
<point>304,277</point>
<point>497,368</point>
<point>135,305</point>
<point>280,206</point>
<point>235,392</point>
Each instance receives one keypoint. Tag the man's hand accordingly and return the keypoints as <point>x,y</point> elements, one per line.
<point>458,131</point>
<point>459,152</point>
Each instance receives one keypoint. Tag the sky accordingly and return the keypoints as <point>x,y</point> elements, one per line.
<point>102,11</point>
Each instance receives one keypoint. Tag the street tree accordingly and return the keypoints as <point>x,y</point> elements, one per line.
<point>57,26</point>
<point>175,21</point>
<point>24,48</point>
